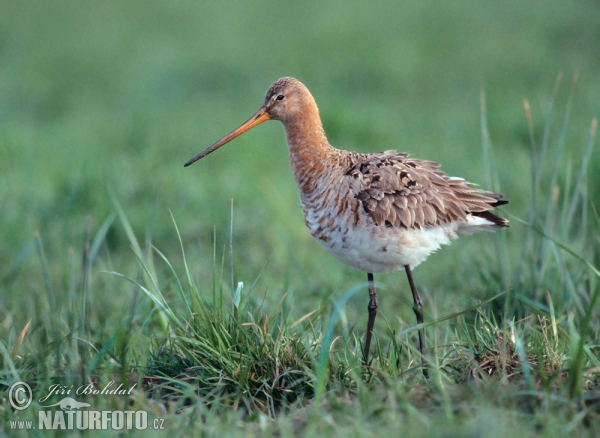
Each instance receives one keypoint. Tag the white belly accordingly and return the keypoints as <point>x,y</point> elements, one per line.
<point>378,249</point>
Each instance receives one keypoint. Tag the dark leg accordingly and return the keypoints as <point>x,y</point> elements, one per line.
<point>418,308</point>
<point>372,307</point>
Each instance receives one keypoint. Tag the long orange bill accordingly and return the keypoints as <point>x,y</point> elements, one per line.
<point>258,118</point>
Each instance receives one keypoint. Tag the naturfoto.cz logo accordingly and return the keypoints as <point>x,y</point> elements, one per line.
<point>71,414</point>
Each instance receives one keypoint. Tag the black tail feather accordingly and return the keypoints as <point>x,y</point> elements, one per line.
<point>488,215</point>
<point>494,218</point>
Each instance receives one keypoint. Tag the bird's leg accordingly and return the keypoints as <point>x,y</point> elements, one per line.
<point>418,309</point>
<point>372,307</point>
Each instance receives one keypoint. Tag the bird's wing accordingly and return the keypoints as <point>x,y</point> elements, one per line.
<point>397,191</point>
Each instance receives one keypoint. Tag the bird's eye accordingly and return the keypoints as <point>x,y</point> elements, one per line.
<point>280,97</point>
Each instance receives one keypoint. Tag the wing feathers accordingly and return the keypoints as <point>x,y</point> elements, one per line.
<point>397,191</point>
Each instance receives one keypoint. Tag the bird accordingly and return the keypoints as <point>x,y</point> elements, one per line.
<point>376,212</point>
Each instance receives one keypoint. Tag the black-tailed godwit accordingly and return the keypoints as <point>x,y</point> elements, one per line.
<point>378,212</point>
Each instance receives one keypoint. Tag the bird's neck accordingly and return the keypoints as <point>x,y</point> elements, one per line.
<point>310,152</point>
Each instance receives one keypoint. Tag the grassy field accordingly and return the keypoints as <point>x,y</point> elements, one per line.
<point>201,290</point>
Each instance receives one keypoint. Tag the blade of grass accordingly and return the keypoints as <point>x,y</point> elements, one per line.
<point>322,368</point>
<point>163,306</point>
<point>231,247</point>
<point>179,286</point>
<point>191,285</point>
<point>45,273</point>
<point>577,365</point>
<point>579,182</point>
<point>15,350</point>
<point>451,316</point>
<point>553,187</point>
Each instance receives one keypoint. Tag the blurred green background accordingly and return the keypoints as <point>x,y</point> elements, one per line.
<point>119,95</point>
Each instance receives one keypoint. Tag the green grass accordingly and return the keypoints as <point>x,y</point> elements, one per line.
<point>116,263</point>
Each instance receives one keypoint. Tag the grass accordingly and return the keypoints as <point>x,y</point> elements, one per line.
<point>118,265</point>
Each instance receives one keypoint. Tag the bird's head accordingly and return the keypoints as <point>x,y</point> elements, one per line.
<point>285,98</point>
